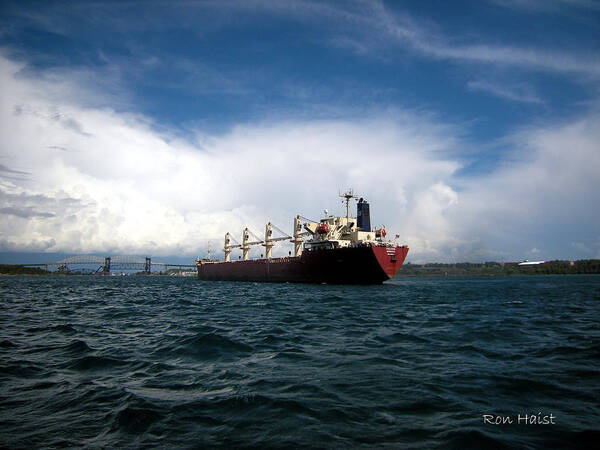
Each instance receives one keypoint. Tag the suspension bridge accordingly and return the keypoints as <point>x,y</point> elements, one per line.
<point>105,264</point>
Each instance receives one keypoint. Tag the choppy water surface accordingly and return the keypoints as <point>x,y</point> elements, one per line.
<point>173,362</point>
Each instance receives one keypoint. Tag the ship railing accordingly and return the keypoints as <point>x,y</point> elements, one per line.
<point>271,260</point>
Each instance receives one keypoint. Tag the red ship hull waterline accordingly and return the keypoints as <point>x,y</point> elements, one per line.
<point>354,265</point>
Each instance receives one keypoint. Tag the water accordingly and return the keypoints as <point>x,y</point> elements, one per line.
<point>175,362</point>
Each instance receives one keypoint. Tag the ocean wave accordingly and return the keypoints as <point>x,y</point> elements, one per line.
<point>94,363</point>
<point>205,346</point>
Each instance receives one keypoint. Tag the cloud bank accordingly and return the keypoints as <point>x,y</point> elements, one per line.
<point>81,179</point>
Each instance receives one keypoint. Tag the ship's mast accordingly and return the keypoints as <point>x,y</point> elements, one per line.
<point>348,195</point>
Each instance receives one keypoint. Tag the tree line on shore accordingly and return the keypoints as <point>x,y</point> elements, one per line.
<point>492,268</point>
<point>15,269</point>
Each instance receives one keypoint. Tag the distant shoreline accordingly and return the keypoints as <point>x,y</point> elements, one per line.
<point>408,270</point>
<point>490,269</point>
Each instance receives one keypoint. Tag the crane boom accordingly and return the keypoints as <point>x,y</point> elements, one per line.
<point>279,239</point>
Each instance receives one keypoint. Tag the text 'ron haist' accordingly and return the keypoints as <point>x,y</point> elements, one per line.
<point>525,419</point>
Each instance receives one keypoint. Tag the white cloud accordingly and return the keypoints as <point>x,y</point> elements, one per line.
<point>529,58</point>
<point>78,179</point>
<point>373,30</point>
<point>367,28</point>
<point>548,6</point>
<point>136,191</point>
<point>519,93</point>
<point>545,197</point>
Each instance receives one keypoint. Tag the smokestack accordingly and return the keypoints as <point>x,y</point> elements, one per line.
<point>363,217</point>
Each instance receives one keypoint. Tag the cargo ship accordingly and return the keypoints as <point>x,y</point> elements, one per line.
<point>336,250</point>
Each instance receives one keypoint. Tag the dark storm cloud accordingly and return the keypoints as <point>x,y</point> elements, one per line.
<point>57,147</point>
<point>12,174</point>
<point>38,205</point>
<point>26,212</point>
<point>52,114</point>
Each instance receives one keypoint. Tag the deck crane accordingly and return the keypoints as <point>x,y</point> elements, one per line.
<point>227,248</point>
<point>245,245</point>
<point>298,235</point>
<point>270,240</point>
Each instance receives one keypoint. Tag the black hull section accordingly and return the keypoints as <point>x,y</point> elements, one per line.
<point>356,265</point>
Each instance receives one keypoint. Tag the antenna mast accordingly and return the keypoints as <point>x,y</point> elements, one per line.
<point>348,195</point>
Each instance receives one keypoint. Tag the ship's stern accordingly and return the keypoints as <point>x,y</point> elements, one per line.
<point>390,259</point>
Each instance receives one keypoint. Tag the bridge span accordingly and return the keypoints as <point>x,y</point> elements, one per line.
<point>105,264</point>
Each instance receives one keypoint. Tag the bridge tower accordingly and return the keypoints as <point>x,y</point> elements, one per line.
<point>148,266</point>
<point>106,267</point>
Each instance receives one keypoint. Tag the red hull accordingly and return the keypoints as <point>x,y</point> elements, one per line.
<point>356,265</point>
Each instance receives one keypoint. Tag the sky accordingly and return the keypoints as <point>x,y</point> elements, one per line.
<point>152,128</point>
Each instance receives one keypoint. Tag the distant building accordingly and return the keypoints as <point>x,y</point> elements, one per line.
<point>531,263</point>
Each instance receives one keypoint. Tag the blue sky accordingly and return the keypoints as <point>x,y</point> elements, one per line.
<point>152,127</point>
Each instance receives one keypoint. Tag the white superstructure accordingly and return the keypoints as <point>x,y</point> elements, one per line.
<point>329,233</point>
